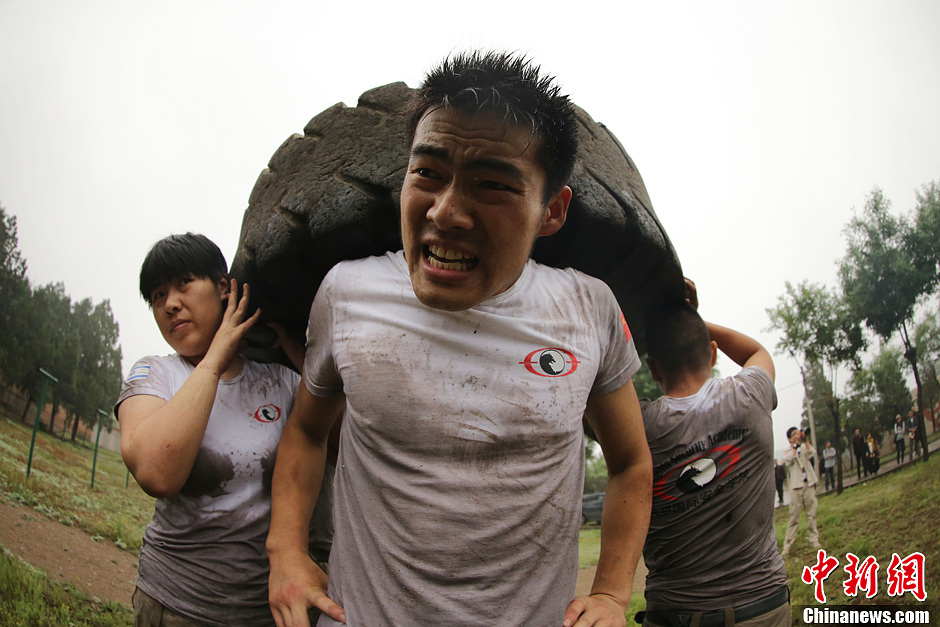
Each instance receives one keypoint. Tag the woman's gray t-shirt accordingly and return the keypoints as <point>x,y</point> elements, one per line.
<point>203,553</point>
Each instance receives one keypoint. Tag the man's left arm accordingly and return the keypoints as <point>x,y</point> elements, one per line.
<point>616,420</point>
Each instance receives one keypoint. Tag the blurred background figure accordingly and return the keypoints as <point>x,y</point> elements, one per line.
<point>829,466</point>
<point>900,432</point>
<point>873,456</point>
<point>780,473</point>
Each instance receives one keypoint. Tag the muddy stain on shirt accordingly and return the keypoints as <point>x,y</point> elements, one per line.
<point>211,471</point>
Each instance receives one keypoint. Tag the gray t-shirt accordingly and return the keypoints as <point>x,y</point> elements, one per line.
<point>711,540</point>
<point>458,487</point>
<point>203,554</point>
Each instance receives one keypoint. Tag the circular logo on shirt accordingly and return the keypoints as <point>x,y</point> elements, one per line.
<point>697,475</point>
<point>268,413</point>
<point>550,362</point>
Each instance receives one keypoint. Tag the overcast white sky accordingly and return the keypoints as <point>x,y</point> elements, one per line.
<point>758,127</point>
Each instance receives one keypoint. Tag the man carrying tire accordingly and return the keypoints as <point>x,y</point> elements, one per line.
<point>710,551</point>
<point>462,371</point>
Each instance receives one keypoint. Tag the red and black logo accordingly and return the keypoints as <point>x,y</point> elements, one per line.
<point>695,474</point>
<point>550,362</point>
<point>268,413</point>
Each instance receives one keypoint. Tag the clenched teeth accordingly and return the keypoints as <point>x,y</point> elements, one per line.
<point>447,259</point>
<point>446,254</point>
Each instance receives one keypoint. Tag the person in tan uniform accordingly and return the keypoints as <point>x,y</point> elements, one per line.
<point>801,479</point>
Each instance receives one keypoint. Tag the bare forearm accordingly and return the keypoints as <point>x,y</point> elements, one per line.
<point>298,476</point>
<point>161,448</point>
<point>623,530</point>
<point>736,345</point>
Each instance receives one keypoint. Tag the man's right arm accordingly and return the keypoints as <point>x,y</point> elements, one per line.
<point>743,350</point>
<point>296,582</point>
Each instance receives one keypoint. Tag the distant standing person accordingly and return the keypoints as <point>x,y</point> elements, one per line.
<point>780,475</point>
<point>873,457</point>
<point>900,433</point>
<point>829,466</point>
<point>859,448</point>
<point>801,480</point>
<point>710,549</point>
<point>913,429</point>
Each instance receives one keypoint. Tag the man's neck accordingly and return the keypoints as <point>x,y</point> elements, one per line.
<point>687,384</point>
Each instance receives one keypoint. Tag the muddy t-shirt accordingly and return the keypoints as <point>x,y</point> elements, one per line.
<point>457,498</point>
<point>711,539</point>
<point>203,554</point>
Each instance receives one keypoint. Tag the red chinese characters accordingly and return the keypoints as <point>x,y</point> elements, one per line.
<point>906,575</point>
<point>903,575</point>
<point>862,576</point>
<point>818,573</point>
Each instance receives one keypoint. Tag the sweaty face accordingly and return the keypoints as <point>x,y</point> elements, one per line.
<point>472,205</point>
<point>188,311</point>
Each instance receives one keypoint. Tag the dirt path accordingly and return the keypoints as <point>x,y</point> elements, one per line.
<point>67,554</point>
<point>100,569</point>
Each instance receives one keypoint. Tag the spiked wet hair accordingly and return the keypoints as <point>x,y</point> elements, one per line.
<point>509,84</point>
<point>178,256</point>
<point>678,340</point>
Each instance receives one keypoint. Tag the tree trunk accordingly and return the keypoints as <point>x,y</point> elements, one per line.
<point>910,353</point>
<point>932,400</point>
<point>29,399</point>
<point>837,423</point>
<point>74,426</point>
<point>55,410</point>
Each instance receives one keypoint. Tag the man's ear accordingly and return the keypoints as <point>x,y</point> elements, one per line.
<point>654,370</point>
<point>656,374</point>
<point>713,347</point>
<point>556,212</point>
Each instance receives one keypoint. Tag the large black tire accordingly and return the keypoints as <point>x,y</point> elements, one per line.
<point>332,194</point>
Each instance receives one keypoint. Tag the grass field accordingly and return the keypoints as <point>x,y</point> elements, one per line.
<point>897,513</point>
<point>27,597</point>
<point>58,485</point>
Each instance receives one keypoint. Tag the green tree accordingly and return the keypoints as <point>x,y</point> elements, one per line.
<point>818,400</point>
<point>14,294</point>
<point>883,274</point>
<point>595,472</point>
<point>48,341</point>
<point>646,388</point>
<point>879,393</point>
<point>816,326</point>
<point>98,375</point>
<point>926,234</point>
<point>927,341</point>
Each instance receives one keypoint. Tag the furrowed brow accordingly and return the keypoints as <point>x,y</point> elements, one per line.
<point>497,165</point>
<point>483,163</point>
<point>429,150</point>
